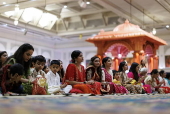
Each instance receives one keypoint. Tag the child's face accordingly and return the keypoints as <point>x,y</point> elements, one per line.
<point>55,68</point>
<point>46,70</point>
<point>117,75</point>
<point>39,65</point>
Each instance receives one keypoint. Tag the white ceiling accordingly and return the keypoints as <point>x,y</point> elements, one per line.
<point>74,21</point>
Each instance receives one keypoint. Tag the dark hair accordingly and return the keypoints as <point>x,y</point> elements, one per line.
<point>105,60</point>
<point>57,62</point>
<point>39,58</point>
<point>114,72</point>
<point>45,66</point>
<point>121,65</point>
<point>154,71</point>
<point>133,70</point>
<point>99,70</point>
<point>18,55</point>
<point>161,72</point>
<point>16,68</point>
<point>32,61</point>
<point>1,53</point>
<point>61,72</point>
<point>74,55</point>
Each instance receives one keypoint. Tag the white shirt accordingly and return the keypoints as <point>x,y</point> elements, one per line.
<point>53,79</point>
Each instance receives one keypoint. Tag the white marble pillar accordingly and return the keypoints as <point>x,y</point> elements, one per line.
<point>161,57</point>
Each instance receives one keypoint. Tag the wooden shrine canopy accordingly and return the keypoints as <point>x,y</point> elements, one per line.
<point>132,38</point>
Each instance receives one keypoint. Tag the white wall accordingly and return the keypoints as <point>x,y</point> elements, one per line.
<point>10,40</point>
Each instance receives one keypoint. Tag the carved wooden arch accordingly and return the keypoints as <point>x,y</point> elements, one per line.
<point>150,47</point>
<point>117,42</point>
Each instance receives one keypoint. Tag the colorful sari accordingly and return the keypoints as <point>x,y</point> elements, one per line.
<point>74,74</point>
<point>113,86</point>
<point>120,87</point>
<point>91,74</point>
<point>139,86</point>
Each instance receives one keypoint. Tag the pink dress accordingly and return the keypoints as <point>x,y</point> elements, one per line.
<point>113,87</point>
<point>146,87</point>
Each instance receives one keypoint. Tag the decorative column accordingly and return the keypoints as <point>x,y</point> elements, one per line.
<point>141,55</point>
<point>155,62</point>
<point>150,63</point>
<point>100,52</point>
<point>115,63</point>
<point>136,57</point>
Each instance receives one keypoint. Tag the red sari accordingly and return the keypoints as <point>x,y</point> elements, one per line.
<point>74,74</point>
<point>91,74</point>
<point>113,86</point>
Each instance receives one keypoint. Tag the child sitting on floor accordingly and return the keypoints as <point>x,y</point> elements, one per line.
<point>11,78</point>
<point>53,79</point>
<point>38,63</point>
<point>38,75</point>
<point>116,80</point>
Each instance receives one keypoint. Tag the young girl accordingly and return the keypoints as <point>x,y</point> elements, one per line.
<point>108,75</point>
<point>3,58</point>
<point>23,56</point>
<point>116,80</point>
<point>125,80</point>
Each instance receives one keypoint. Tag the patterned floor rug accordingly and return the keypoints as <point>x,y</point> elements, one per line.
<point>85,104</point>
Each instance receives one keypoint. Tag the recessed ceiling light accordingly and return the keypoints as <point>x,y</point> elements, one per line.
<point>65,6</point>
<point>167,26</point>
<point>87,2</point>
<point>4,2</point>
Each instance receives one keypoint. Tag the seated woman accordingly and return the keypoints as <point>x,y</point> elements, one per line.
<point>133,73</point>
<point>23,56</point>
<point>75,76</point>
<point>116,80</point>
<point>94,73</point>
<point>125,80</point>
<point>3,58</point>
<point>11,78</point>
<point>165,84</point>
<point>152,80</point>
<point>108,75</point>
<point>143,75</point>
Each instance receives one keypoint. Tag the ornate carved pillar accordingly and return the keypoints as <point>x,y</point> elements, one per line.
<point>100,52</point>
<point>155,62</point>
<point>136,57</point>
<point>141,55</point>
<point>150,63</point>
<point>115,63</point>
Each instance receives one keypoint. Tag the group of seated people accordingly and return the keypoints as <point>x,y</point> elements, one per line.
<point>23,74</point>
